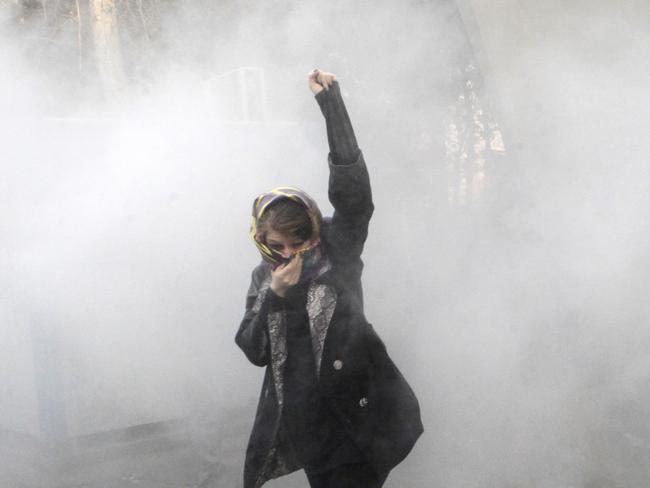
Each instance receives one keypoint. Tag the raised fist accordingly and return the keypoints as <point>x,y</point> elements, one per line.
<point>319,80</point>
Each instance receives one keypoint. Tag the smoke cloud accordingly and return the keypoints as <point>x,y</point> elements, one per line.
<point>519,316</point>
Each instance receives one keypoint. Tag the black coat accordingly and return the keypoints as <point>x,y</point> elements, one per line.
<point>361,384</point>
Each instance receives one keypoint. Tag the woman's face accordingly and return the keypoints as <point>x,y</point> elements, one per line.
<point>287,245</point>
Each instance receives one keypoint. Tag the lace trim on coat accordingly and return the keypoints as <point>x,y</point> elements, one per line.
<point>321,302</point>
<point>278,339</point>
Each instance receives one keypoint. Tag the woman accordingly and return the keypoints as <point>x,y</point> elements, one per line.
<point>332,401</point>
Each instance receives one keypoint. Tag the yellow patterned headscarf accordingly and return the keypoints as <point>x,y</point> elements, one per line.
<point>265,200</point>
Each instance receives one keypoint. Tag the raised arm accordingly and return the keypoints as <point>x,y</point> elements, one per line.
<point>349,184</point>
<point>340,134</point>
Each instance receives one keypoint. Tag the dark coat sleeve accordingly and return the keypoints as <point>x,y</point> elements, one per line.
<point>351,197</point>
<point>340,134</point>
<point>350,194</point>
<point>349,187</point>
<point>252,336</point>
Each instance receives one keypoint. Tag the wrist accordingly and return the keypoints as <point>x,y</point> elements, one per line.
<point>278,291</point>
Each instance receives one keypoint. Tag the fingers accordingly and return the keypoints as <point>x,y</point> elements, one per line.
<point>314,85</point>
<point>288,274</point>
<point>294,268</point>
<point>325,79</point>
<point>322,78</point>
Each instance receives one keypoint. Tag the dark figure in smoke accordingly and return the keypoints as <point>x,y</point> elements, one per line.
<point>332,401</point>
